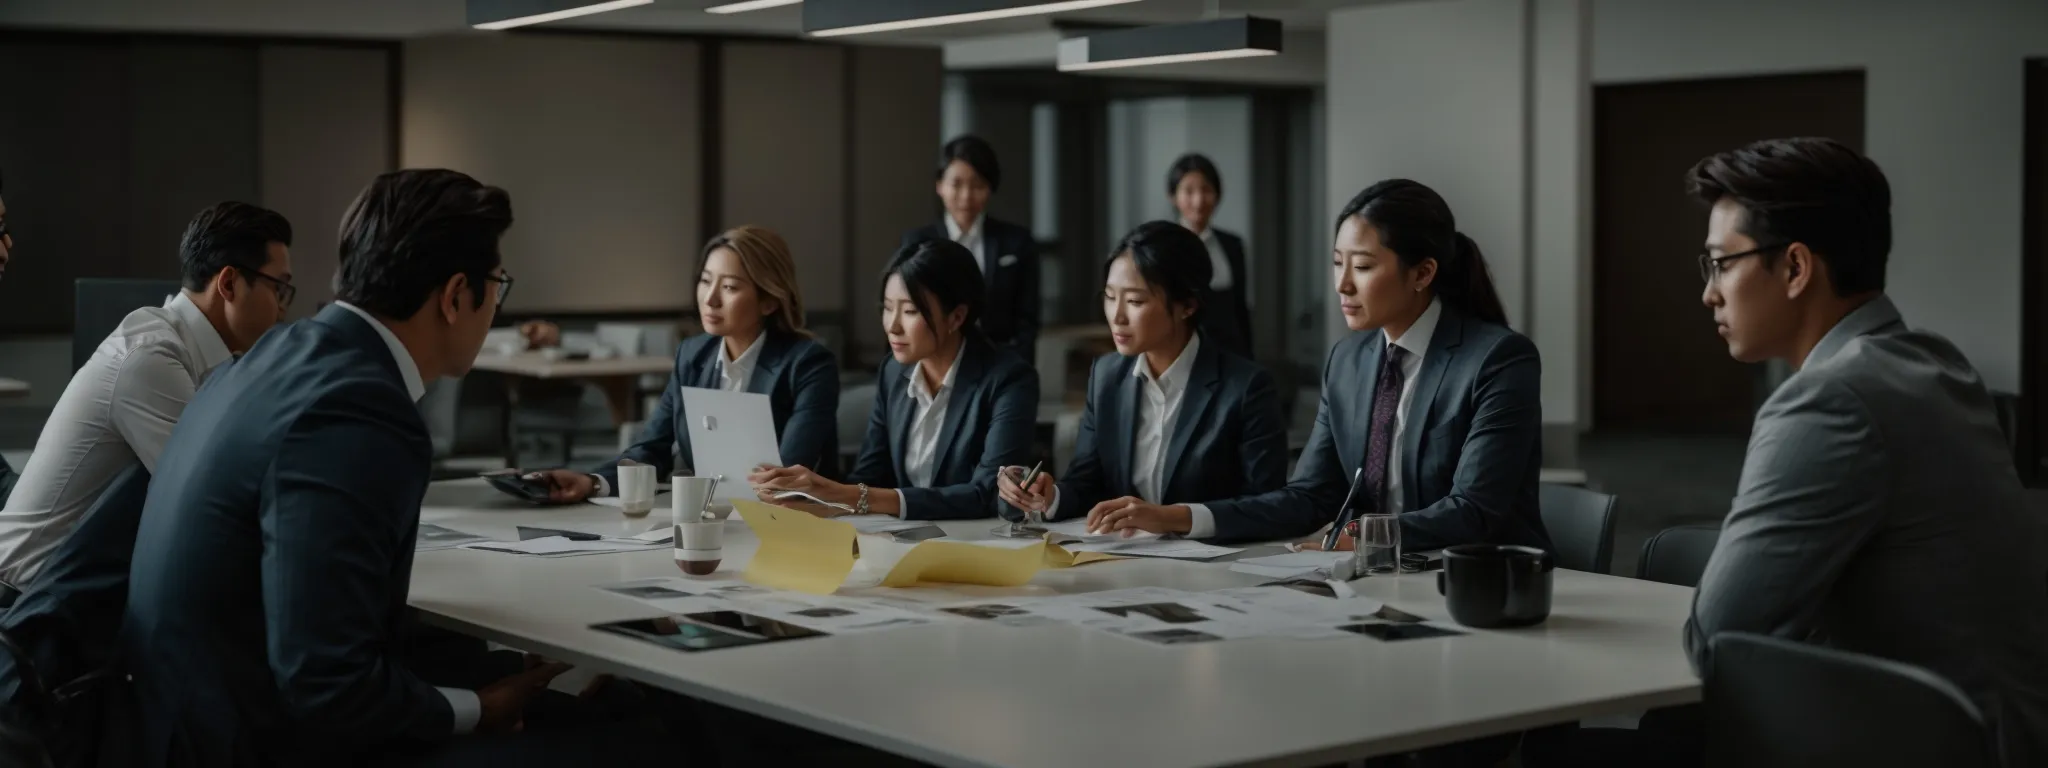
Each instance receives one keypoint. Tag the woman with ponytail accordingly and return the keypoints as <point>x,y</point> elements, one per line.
<point>1430,407</point>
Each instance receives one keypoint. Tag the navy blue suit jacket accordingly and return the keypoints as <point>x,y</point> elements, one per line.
<point>1229,439</point>
<point>1010,316</point>
<point>271,566</point>
<point>69,617</point>
<point>1470,451</point>
<point>990,416</point>
<point>1227,314</point>
<point>800,378</point>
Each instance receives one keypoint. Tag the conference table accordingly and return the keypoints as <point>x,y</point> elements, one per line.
<point>617,377</point>
<point>976,694</point>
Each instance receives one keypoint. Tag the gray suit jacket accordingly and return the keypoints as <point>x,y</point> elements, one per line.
<point>1879,513</point>
<point>1470,451</point>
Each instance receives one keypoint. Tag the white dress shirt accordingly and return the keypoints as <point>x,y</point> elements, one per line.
<point>1220,278</point>
<point>118,409</point>
<point>1416,344</point>
<point>972,238</point>
<point>920,457</point>
<point>1159,403</point>
<point>468,709</point>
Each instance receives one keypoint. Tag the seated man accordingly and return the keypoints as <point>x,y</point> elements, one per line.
<point>267,601</point>
<point>121,405</point>
<point>1879,511</point>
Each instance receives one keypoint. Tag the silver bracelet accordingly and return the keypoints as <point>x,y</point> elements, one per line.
<point>861,507</point>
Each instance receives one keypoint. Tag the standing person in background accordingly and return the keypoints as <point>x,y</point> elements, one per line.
<point>1196,188</point>
<point>119,409</point>
<point>6,251</point>
<point>1006,253</point>
<point>754,340</point>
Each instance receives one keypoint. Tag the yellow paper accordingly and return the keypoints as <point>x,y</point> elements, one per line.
<point>953,562</point>
<point>799,550</point>
<point>1057,556</point>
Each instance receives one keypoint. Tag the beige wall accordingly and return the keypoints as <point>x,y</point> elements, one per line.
<point>325,132</point>
<point>596,139</point>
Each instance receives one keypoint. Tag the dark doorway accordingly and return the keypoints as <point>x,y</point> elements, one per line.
<point>2033,413</point>
<point>1657,364</point>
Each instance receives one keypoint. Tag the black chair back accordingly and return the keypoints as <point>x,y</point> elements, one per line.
<point>1678,555</point>
<point>103,302</point>
<point>1772,702</point>
<point>1581,526</point>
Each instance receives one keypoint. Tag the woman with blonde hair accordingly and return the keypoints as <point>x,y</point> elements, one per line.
<point>753,341</point>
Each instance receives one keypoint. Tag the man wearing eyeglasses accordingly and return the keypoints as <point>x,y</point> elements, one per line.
<point>120,406</point>
<point>1879,511</point>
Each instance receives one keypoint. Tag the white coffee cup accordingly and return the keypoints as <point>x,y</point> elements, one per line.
<point>636,488</point>
<point>699,546</point>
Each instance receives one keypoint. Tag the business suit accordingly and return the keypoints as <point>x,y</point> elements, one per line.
<point>1228,440</point>
<point>289,497</point>
<point>1227,314</point>
<point>800,378</point>
<point>1470,450</point>
<point>1009,269</point>
<point>1879,513</point>
<point>991,412</point>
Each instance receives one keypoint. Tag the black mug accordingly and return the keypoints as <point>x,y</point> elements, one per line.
<point>1492,586</point>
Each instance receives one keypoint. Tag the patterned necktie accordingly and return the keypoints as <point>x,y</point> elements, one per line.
<point>1379,441</point>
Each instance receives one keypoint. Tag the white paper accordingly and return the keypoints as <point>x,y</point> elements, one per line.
<point>1078,529</point>
<point>882,523</point>
<point>1308,559</point>
<point>433,537</point>
<point>824,613</point>
<point>662,535</point>
<point>1276,573</point>
<point>662,502</point>
<point>1173,548</point>
<point>553,546</point>
<point>801,497</point>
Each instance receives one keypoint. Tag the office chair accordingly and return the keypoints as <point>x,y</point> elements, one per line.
<point>1771,702</point>
<point>1678,555</point>
<point>101,303</point>
<point>1581,526</point>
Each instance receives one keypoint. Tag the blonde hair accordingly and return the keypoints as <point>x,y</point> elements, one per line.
<point>765,258</point>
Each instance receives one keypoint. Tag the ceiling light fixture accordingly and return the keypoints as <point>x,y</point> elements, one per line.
<point>832,18</point>
<point>750,5</point>
<point>1234,38</point>
<point>506,14</point>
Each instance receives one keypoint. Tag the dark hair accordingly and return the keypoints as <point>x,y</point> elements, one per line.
<point>1171,259</point>
<point>1193,163</point>
<point>1416,224</point>
<point>947,271</point>
<point>227,235</point>
<point>1812,191</point>
<point>411,231</point>
<point>977,154</point>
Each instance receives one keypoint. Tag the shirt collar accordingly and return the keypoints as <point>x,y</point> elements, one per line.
<point>1875,314</point>
<point>953,228</point>
<point>744,364</point>
<point>199,331</point>
<point>407,369</point>
<point>1175,377</point>
<point>1416,340</point>
<point>917,390</point>
<point>1207,234</point>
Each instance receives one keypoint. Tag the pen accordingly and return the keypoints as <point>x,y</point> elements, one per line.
<point>1343,513</point>
<point>1025,486</point>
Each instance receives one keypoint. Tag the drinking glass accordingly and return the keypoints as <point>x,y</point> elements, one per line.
<point>1377,546</point>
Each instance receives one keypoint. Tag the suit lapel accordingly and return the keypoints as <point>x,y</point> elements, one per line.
<point>1201,388</point>
<point>1123,427</point>
<point>773,352</point>
<point>1450,332</point>
<point>1366,366</point>
<point>901,409</point>
<point>705,369</point>
<point>958,403</point>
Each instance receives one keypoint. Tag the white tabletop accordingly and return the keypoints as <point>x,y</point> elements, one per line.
<point>538,366</point>
<point>13,388</point>
<point>971,694</point>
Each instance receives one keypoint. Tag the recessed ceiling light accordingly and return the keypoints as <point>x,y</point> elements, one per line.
<point>831,18</point>
<point>750,5</point>
<point>506,14</point>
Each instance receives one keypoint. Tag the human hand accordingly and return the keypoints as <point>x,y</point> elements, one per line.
<point>1131,515</point>
<point>567,486</point>
<point>540,333</point>
<point>504,702</point>
<point>1034,499</point>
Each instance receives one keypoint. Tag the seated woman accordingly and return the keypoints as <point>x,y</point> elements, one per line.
<point>1431,408</point>
<point>1172,417</point>
<point>753,341</point>
<point>951,408</point>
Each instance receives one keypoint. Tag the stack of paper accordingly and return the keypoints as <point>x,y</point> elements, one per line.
<point>1180,549</point>
<point>562,546</point>
<point>434,537</point>
<point>1292,565</point>
<point>824,613</point>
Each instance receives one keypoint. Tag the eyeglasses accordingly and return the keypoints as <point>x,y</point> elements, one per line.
<point>3,228</point>
<point>1710,265</point>
<point>285,291</point>
<point>504,282</point>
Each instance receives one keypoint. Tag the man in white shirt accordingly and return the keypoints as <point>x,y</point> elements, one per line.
<point>120,407</point>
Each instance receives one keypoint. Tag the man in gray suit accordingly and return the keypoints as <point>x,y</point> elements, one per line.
<point>1879,511</point>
